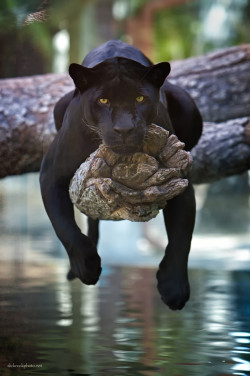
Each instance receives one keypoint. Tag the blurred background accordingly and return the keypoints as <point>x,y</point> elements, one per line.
<point>45,36</point>
<point>39,37</point>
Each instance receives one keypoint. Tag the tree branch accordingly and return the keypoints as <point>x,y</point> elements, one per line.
<point>219,83</point>
<point>222,151</point>
<point>26,120</point>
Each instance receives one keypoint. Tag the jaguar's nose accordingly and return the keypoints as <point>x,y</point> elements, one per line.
<point>123,130</point>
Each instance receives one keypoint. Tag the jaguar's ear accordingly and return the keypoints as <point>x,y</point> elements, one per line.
<point>158,73</point>
<point>80,75</point>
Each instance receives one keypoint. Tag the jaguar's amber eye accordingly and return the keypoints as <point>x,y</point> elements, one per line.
<point>140,99</point>
<point>103,100</point>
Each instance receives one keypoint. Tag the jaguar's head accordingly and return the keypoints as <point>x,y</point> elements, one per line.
<point>119,99</point>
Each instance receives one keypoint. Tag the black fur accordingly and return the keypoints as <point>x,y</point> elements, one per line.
<point>120,73</point>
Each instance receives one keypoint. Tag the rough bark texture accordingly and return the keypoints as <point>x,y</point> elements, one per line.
<point>222,151</point>
<point>219,83</point>
<point>26,120</point>
<point>135,187</point>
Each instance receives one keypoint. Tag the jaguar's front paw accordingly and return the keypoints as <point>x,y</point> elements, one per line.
<point>174,290</point>
<point>87,269</point>
<point>85,263</point>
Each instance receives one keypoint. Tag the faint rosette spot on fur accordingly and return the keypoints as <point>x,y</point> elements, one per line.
<point>134,187</point>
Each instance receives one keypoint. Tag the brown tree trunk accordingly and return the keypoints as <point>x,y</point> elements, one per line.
<point>26,120</point>
<point>219,83</point>
<point>222,151</point>
<point>141,26</point>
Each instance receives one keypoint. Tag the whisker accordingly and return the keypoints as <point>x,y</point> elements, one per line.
<point>92,128</point>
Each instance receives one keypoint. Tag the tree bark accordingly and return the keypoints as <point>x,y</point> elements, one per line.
<point>26,120</point>
<point>222,151</point>
<point>219,83</point>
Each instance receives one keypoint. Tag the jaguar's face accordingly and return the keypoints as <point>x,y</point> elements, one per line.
<point>119,100</point>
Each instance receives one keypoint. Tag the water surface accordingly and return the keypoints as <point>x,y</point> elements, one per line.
<point>120,326</point>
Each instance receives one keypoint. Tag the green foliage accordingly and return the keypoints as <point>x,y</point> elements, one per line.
<point>175,31</point>
<point>201,26</point>
<point>179,31</point>
<point>14,12</point>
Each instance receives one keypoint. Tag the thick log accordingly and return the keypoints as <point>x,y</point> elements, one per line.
<point>219,83</point>
<point>26,120</point>
<point>222,151</point>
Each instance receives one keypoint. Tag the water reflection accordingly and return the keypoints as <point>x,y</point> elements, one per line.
<point>120,326</point>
